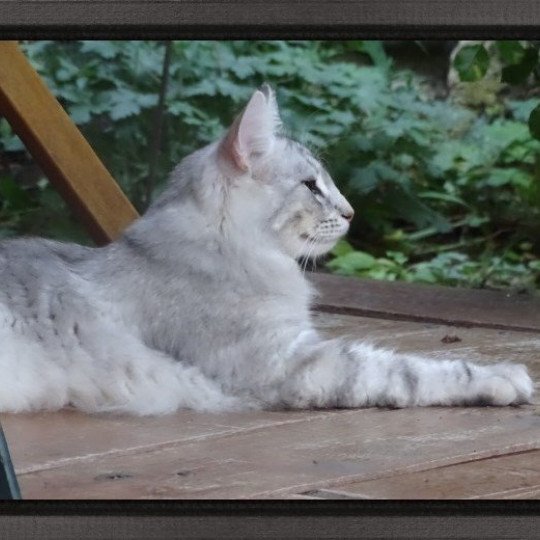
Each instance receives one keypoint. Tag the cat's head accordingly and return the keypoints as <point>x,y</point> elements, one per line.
<point>277,184</point>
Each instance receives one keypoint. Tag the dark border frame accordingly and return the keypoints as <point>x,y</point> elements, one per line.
<point>271,519</point>
<point>270,19</point>
<point>306,19</point>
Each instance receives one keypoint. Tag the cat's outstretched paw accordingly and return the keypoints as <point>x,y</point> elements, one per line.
<point>503,384</point>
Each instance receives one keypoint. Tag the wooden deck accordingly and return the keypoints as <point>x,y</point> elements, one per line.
<point>323,454</point>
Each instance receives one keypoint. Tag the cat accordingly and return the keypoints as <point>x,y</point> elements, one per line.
<point>201,302</point>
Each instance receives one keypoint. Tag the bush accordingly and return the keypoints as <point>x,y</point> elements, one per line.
<point>443,194</point>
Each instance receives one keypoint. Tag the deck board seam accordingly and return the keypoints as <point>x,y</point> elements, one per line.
<point>149,448</point>
<point>409,317</point>
<point>407,469</point>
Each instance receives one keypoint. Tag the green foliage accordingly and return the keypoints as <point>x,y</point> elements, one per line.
<point>442,193</point>
<point>534,122</point>
<point>519,64</point>
<point>472,63</point>
<point>509,269</point>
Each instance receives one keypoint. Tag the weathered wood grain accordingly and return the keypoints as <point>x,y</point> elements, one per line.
<point>503,477</point>
<point>68,436</point>
<point>59,148</point>
<point>426,303</point>
<point>275,461</point>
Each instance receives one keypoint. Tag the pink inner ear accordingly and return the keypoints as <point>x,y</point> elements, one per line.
<point>252,132</point>
<point>230,147</point>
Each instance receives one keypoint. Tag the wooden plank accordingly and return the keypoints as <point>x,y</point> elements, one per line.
<point>427,303</point>
<point>59,148</point>
<point>503,477</point>
<point>321,452</point>
<point>68,435</point>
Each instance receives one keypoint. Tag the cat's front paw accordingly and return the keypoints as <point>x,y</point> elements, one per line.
<point>503,384</point>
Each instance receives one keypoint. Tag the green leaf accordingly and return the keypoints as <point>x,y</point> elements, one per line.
<point>375,50</point>
<point>80,113</point>
<point>503,134</point>
<point>181,108</point>
<point>342,248</point>
<point>366,179</point>
<point>243,67</point>
<point>458,156</point>
<point>13,144</point>
<point>511,52</point>
<point>105,49</point>
<point>353,262</point>
<point>514,177</point>
<point>14,197</point>
<point>518,73</point>
<point>441,196</point>
<point>201,88</point>
<point>123,109</point>
<point>472,63</point>
<point>534,122</point>
<point>408,206</point>
<point>397,256</point>
<point>521,109</point>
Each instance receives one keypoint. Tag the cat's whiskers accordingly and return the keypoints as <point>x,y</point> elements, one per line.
<point>302,258</point>
<point>311,246</point>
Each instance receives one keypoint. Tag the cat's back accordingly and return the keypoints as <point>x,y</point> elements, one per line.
<point>33,257</point>
<point>30,268</point>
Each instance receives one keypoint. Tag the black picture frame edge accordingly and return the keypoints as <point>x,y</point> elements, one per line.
<point>271,519</point>
<point>269,19</point>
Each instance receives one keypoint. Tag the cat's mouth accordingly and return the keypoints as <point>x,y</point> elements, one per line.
<point>320,239</point>
<point>316,245</point>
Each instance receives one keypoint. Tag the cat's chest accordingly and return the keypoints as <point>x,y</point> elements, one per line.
<point>186,303</point>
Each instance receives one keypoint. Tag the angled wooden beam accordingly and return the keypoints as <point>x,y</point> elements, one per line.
<point>59,148</point>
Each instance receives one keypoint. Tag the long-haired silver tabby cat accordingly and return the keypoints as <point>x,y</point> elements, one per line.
<point>201,303</point>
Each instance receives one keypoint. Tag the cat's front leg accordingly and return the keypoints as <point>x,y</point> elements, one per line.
<point>342,374</point>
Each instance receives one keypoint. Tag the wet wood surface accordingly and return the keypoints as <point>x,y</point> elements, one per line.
<point>369,453</point>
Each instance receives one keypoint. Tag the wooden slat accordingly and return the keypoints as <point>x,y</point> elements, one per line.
<point>275,461</point>
<point>414,302</point>
<point>502,477</point>
<point>68,436</point>
<point>59,148</point>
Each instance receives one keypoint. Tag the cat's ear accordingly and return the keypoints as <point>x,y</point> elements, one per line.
<point>253,132</point>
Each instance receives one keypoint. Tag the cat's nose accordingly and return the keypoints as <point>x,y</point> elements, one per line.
<point>345,209</point>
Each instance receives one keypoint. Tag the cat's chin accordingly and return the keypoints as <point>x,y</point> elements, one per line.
<point>318,249</point>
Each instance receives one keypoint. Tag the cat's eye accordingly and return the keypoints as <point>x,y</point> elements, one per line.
<point>311,184</point>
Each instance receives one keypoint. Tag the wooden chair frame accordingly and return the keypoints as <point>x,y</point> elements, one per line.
<point>59,148</point>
